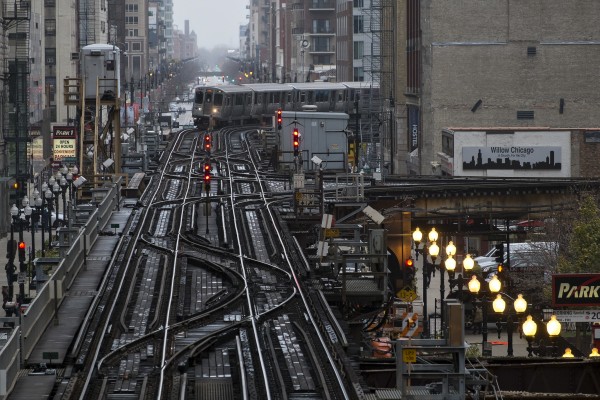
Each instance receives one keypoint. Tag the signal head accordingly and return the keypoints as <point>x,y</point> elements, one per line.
<point>409,263</point>
<point>22,245</point>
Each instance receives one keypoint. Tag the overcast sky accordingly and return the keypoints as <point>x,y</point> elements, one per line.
<point>216,22</point>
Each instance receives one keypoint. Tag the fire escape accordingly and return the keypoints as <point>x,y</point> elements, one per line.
<point>16,77</point>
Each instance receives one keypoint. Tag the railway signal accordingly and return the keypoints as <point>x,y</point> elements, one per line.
<point>207,143</point>
<point>279,119</point>
<point>207,169</point>
<point>21,247</point>
<point>296,141</point>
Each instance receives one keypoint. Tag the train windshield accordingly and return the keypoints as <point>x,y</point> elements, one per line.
<point>199,97</point>
<point>218,99</point>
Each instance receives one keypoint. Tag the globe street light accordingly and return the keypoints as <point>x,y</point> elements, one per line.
<point>417,236</point>
<point>494,286</point>
<point>553,329</point>
<point>520,306</point>
<point>48,197</point>
<point>529,330</point>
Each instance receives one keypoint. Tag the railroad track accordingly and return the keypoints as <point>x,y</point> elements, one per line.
<point>192,312</point>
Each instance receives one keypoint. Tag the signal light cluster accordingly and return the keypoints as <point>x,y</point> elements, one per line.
<point>21,247</point>
<point>279,119</point>
<point>296,141</point>
<point>207,177</point>
<point>207,144</point>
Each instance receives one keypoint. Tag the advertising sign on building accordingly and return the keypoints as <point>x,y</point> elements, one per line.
<point>575,290</point>
<point>512,157</point>
<point>64,143</point>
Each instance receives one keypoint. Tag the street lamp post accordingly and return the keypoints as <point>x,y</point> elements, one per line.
<point>434,251</point>
<point>494,286</point>
<point>417,236</point>
<point>520,306</point>
<point>63,188</point>
<point>553,329</point>
<point>530,329</point>
<point>48,197</point>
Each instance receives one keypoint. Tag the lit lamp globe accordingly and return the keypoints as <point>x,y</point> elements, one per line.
<point>529,327</point>
<point>495,284</point>
<point>468,263</point>
<point>417,235</point>
<point>568,353</point>
<point>520,304</point>
<point>553,326</point>
<point>434,250</point>
<point>499,304</point>
<point>450,263</point>
<point>432,235</point>
<point>474,285</point>
<point>450,249</point>
<point>594,353</point>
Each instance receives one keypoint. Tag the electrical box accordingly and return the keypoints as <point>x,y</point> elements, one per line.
<point>101,61</point>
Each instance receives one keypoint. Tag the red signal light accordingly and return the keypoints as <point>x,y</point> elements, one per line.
<point>409,263</point>
<point>296,141</point>
<point>22,245</point>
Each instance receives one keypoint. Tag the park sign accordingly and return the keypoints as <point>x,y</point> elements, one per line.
<point>575,290</point>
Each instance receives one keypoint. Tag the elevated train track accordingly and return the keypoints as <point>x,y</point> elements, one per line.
<point>211,306</point>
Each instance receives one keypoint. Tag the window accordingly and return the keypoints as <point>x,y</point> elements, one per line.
<point>50,55</point>
<point>50,27</point>
<point>133,32</point>
<point>359,24</point>
<point>324,59</point>
<point>321,43</point>
<point>136,46</point>
<point>359,74</point>
<point>131,8</point>
<point>359,3</point>
<point>321,26</point>
<point>359,50</point>
<point>131,20</point>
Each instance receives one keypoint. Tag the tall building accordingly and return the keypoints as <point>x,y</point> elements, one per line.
<point>509,63</point>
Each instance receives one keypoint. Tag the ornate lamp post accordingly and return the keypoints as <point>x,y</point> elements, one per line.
<point>529,330</point>
<point>63,188</point>
<point>520,306</point>
<point>417,236</point>
<point>48,197</point>
<point>553,329</point>
<point>56,192</point>
<point>494,286</point>
<point>434,251</point>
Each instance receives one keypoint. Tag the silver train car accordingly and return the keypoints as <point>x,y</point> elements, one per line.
<point>221,105</point>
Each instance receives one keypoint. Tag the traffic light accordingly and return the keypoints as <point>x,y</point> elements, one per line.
<point>279,119</point>
<point>408,274</point>
<point>207,143</point>
<point>207,169</point>
<point>21,248</point>
<point>16,186</point>
<point>499,253</point>
<point>409,263</point>
<point>296,141</point>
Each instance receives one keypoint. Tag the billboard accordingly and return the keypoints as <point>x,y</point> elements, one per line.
<point>64,143</point>
<point>512,157</point>
<point>575,290</point>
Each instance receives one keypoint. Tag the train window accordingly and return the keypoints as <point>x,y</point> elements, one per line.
<point>276,98</point>
<point>321,96</point>
<point>289,97</point>
<point>239,99</point>
<point>218,99</point>
<point>199,97</point>
<point>310,97</point>
<point>227,100</point>
<point>303,97</point>
<point>209,94</point>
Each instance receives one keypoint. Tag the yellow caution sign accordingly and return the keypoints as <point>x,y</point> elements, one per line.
<point>409,355</point>
<point>332,233</point>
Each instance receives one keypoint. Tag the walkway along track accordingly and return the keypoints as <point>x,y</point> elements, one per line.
<point>189,311</point>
